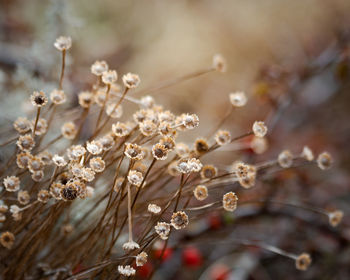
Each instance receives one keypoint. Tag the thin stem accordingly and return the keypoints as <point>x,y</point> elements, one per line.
<point>129,213</point>
<point>103,106</point>
<point>36,121</point>
<point>62,68</point>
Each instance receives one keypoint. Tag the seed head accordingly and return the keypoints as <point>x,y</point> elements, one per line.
<point>182,150</point>
<point>57,96</point>
<point>229,201</point>
<point>120,129</point>
<point>131,80</point>
<point>11,183</point>
<point>109,77</point>
<point>3,207</point>
<point>126,270</point>
<point>307,154</point>
<point>7,239</point>
<point>285,159</point>
<point>22,125</point>
<point>86,99</point>
<point>97,164</point>
<point>55,190</point>
<point>130,246</point>
<point>35,164</point>
<point>107,142</point>
<point>63,43</point>
<point>201,146</point>
<point>168,143</point>
<point>200,192</point>
<point>335,217</point>
<point>303,261</point>
<point>222,137</point>
<point>23,197</point>
<point>69,192</point>
<point>135,178</point>
<point>147,101</point>
<point>69,130</point>
<point>219,63</point>
<point>23,159</point>
<point>133,151</point>
<point>94,147</point>
<point>25,142</point>
<point>238,99</point>
<point>324,161</point>
<point>148,128</point>
<point>259,145</point>
<point>99,67</point>
<point>43,196</point>
<point>141,259</point>
<point>76,152</point>
<point>163,230</point>
<point>41,126</point>
<point>259,129</point>
<point>159,151</point>
<point>208,171</point>
<point>38,99</point>
<point>153,208</point>
<point>179,220</point>
<point>59,160</point>
<point>190,121</point>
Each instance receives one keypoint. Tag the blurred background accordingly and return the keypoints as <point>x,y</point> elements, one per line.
<point>292,55</point>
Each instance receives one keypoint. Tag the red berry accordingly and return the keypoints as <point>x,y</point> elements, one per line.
<point>192,257</point>
<point>145,270</point>
<point>214,221</point>
<point>219,272</point>
<point>166,255</point>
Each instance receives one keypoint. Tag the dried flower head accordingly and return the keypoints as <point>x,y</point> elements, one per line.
<point>69,130</point>
<point>126,270</point>
<point>153,208</point>
<point>147,101</point>
<point>46,157</point>
<point>208,171</point>
<point>76,152</point>
<point>167,142</point>
<point>148,128</point>
<point>324,161</point>
<point>307,154</point>
<point>99,67</point>
<point>335,217</point>
<point>63,43</point>
<point>59,160</point>
<point>182,149</point>
<point>179,220</point>
<point>7,239</point>
<point>25,142</point>
<point>69,192</point>
<point>94,147</point>
<point>88,174</point>
<point>86,99</point>
<point>43,196</point>
<point>285,159</point>
<point>38,176</point>
<point>38,99</point>
<point>135,178</point>
<point>159,151</point>
<point>219,63</point>
<point>22,125</point>
<point>259,145</point>
<point>107,142</point>
<point>57,96</point>
<point>238,99</point>
<point>97,164</point>
<point>259,129</point>
<point>133,151</point>
<point>2,218</point>
<point>55,190</point>
<point>120,129</point>
<point>11,183</point>
<point>165,128</point>
<point>200,192</point>
<point>113,111</point>
<point>190,121</point>
<point>201,146</point>
<point>109,77</point>
<point>131,80</point>
<point>141,259</point>
<point>303,261</point>
<point>3,207</point>
<point>23,159</point>
<point>229,201</point>
<point>163,230</point>
<point>35,164</point>
<point>223,137</point>
<point>41,126</point>
<point>23,197</point>
<point>130,245</point>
